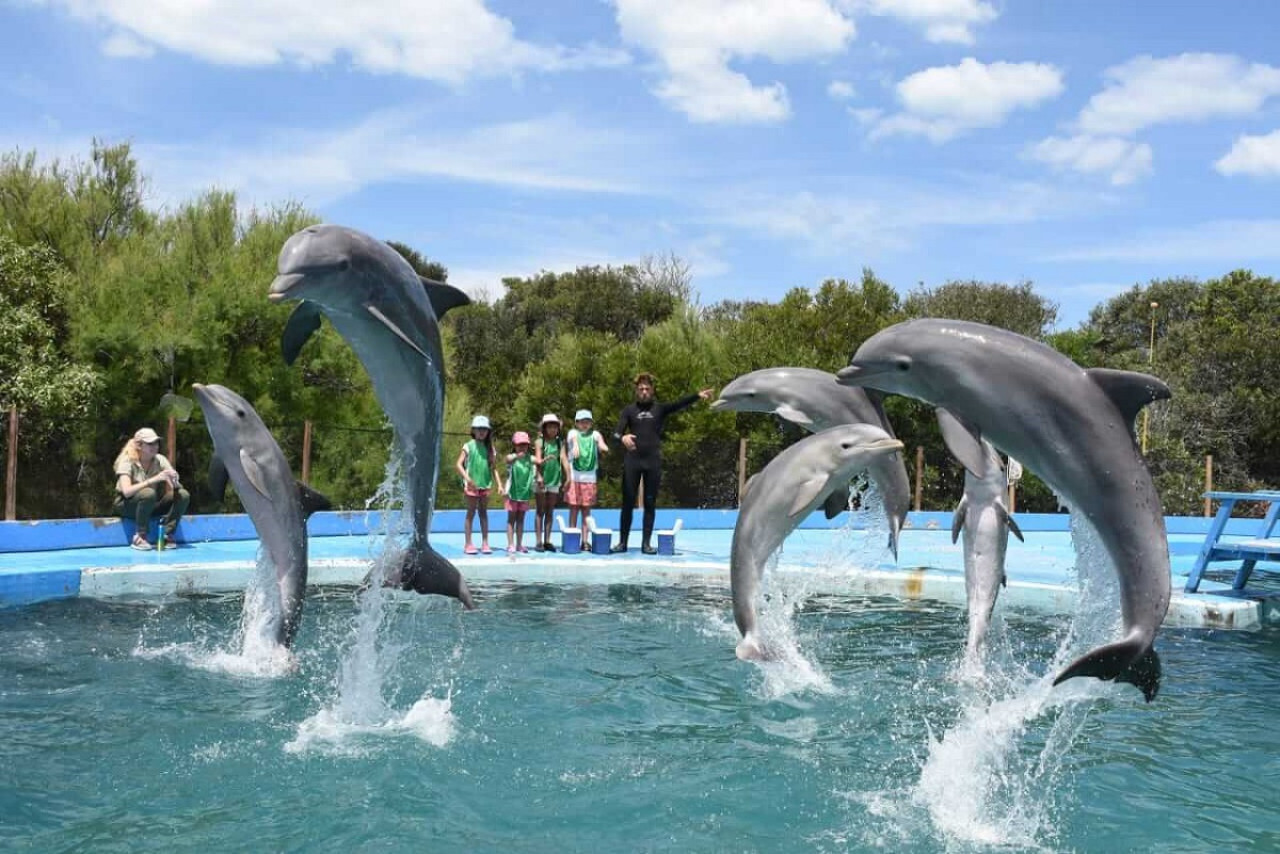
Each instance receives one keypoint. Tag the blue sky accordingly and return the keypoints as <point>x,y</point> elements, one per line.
<point>769,143</point>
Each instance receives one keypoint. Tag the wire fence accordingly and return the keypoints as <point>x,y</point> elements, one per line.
<point>64,468</point>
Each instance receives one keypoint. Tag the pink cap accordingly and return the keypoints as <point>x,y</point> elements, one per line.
<point>521,438</point>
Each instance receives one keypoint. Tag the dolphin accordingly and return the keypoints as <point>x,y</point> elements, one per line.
<point>1072,426</point>
<point>777,499</point>
<point>246,453</point>
<point>986,523</point>
<point>811,399</point>
<point>389,316</point>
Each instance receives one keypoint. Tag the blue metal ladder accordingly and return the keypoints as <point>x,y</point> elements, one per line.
<point>1263,547</point>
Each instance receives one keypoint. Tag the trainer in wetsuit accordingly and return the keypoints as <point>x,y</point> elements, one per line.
<point>640,430</point>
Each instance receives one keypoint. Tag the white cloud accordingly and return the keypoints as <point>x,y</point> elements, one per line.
<point>1189,87</point>
<point>122,45</point>
<point>1235,242</point>
<point>695,40</point>
<point>1258,156</point>
<point>944,102</point>
<point>443,40</point>
<point>866,115</point>
<point>942,20</point>
<point>841,90</point>
<point>320,165</point>
<point>1122,160</point>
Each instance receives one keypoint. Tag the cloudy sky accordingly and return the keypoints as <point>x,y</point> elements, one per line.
<point>770,143</point>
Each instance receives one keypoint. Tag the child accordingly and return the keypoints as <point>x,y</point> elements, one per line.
<point>476,465</point>
<point>520,473</point>
<point>584,448</point>
<point>549,457</point>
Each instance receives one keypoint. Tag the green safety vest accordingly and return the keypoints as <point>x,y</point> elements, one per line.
<point>587,451</point>
<point>520,485</point>
<point>478,465</point>
<point>551,472</point>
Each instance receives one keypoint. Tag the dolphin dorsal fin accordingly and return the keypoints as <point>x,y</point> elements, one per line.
<point>964,441</point>
<point>396,330</point>
<point>443,297</point>
<point>312,501</point>
<point>253,472</point>
<point>301,325</point>
<point>218,478</point>
<point>1129,390</point>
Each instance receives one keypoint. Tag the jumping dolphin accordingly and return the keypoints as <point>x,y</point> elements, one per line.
<point>986,523</point>
<point>811,399</point>
<point>795,482</point>
<point>245,452</point>
<point>1073,427</point>
<point>389,317</point>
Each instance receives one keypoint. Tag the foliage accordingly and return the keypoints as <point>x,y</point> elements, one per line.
<point>1015,307</point>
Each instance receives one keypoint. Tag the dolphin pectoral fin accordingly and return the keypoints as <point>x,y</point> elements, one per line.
<point>957,521</point>
<point>795,416</point>
<point>1132,660</point>
<point>312,501</point>
<point>396,330</point>
<point>301,325</point>
<point>806,494</point>
<point>425,571</point>
<point>443,297</point>
<point>218,478</point>
<point>836,503</point>
<point>1008,520</point>
<point>253,471</point>
<point>1129,390</point>
<point>964,441</point>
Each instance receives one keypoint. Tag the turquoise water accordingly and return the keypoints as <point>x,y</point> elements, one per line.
<point>614,717</point>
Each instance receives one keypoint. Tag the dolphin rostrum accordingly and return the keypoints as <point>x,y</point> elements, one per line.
<point>1073,427</point>
<point>389,317</point>
<point>811,399</point>
<point>795,482</point>
<point>985,520</point>
<point>246,453</point>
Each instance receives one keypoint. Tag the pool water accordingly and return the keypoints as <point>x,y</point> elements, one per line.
<point>614,717</point>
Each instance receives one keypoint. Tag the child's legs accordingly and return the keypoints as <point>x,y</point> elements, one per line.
<point>519,520</point>
<point>511,528</point>
<point>472,501</point>
<point>482,506</point>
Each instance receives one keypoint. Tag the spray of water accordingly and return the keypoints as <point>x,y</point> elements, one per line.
<point>366,674</point>
<point>983,781</point>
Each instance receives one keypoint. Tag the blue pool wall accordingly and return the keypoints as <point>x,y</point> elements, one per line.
<point>60,534</point>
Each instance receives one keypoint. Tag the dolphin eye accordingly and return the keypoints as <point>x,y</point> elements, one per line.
<point>903,364</point>
<point>240,412</point>
<point>846,445</point>
<point>344,265</point>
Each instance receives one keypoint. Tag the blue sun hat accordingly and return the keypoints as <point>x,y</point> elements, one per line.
<point>583,415</point>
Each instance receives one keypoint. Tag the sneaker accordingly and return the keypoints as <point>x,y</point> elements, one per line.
<point>485,550</point>
<point>620,548</point>
<point>470,549</point>
<point>524,550</point>
<point>511,550</point>
<point>648,549</point>
<point>539,547</point>
<point>140,543</point>
<point>547,547</point>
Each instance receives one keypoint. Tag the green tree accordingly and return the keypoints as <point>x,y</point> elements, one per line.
<point>1014,307</point>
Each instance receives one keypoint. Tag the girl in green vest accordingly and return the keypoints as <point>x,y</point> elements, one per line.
<point>584,445</point>
<point>477,467</point>
<point>549,456</point>
<point>520,476</point>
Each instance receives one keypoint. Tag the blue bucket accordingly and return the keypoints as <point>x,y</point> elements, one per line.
<point>601,543</point>
<point>666,544</point>
<point>570,542</point>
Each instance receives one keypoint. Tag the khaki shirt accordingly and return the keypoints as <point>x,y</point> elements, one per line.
<point>135,470</point>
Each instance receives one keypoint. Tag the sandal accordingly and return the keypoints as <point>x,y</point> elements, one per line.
<point>140,543</point>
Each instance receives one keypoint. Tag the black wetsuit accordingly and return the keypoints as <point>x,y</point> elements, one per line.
<point>644,421</point>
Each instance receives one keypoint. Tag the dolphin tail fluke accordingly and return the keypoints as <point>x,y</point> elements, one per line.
<point>427,571</point>
<point>1132,660</point>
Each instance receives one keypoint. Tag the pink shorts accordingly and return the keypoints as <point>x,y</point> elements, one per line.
<point>472,492</point>
<point>581,494</point>
<point>517,506</point>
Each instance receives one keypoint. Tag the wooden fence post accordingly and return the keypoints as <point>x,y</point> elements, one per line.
<point>172,441</point>
<point>742,467</point>
<point>919,476</point>
<point>306,452</point>
<point>11,469</point>
<point>1208,485</point>
<point>1013,497</point>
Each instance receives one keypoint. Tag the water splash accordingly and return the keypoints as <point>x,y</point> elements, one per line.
<point>984,781</point>
<point>789,670</point>
<point>429,719</point>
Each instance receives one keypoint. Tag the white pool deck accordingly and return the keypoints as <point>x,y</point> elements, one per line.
<point>833,562</point>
